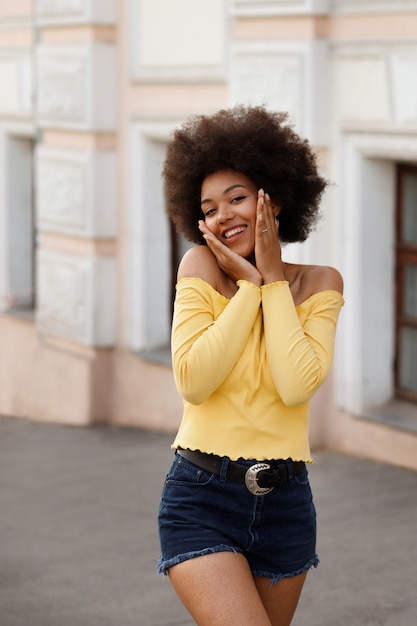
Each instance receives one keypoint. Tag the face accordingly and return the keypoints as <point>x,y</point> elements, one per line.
<point>228,202</point>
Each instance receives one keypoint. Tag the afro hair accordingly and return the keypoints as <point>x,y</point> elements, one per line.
<point>256,142</point>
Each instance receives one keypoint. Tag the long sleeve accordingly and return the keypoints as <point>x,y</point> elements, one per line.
<point>205,349</point>
<point>299,355</point>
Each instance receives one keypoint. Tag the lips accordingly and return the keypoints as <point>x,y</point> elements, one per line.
<point>234,231</point>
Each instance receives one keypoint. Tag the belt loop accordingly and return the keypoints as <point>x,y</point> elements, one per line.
<point>223,470</point>
<point>290,468</point>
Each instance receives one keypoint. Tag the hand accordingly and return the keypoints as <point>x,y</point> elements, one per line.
<point>267,245</point>
<point>231,263</point>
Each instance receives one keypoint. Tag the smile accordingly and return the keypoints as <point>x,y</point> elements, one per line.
<point>234,231</point>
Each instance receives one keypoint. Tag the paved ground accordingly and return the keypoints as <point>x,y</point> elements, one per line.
<point>78,538</point>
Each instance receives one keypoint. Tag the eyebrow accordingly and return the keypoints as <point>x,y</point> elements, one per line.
<point>224,192</point>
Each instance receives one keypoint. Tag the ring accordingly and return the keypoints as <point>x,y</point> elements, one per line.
<point>265,230</point>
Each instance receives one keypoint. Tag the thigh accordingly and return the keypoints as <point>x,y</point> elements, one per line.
<point>219,590</point>
<point>280,600</point>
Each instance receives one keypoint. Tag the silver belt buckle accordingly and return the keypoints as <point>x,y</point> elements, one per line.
<point>251,479</point>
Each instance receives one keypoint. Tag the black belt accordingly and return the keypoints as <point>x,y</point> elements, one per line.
<point>259,478</point>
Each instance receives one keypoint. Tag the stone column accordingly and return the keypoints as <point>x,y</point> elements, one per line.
<point>76,198</point>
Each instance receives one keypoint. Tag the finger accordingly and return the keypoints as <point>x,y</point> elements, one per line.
<point>217,247</point>
<point>206,232</point>
<point>266,227</point>
<point>260,217</point>
<point>203,227</point>
<point>269,212</point>
<point>212,242</point>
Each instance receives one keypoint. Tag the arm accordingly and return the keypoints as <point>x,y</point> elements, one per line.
<point>205,350</point>
<point>299,357</point>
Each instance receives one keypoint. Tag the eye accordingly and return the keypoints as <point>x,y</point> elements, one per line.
<point>209,211</point>
<point>237,199</point>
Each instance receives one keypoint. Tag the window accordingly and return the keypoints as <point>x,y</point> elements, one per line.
<point>406,300</point>
<point>376,350</point>
<point>150,274</point>
<point>17,280</point>
<point>155,248</point>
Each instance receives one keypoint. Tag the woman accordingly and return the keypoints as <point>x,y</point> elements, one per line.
<point>252,341</point>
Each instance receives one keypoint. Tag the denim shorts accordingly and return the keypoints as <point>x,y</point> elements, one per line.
<point>202,513</point>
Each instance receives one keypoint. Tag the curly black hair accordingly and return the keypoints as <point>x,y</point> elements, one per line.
<point>255,142</point>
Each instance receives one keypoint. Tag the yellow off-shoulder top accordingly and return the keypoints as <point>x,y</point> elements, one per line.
<point>247,367</point>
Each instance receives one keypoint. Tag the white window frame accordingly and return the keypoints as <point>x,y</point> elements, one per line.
<point>366,240</point>
<point>149,240</point>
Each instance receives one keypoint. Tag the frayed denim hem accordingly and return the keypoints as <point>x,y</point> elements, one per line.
<point>163,566</point>
<point>275,578</point>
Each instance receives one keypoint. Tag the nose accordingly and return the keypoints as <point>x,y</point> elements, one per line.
<point>225,213</point>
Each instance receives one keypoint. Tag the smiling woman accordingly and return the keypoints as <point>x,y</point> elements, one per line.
<point>252,341</point>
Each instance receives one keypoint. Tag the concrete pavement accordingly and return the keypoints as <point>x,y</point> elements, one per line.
<point>78,535</point>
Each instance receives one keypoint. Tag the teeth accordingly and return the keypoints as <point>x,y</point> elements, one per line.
<point>234,231</point>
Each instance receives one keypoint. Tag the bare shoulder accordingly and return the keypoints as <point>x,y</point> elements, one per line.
<point>316,278</point>
<point>306,280</point>
<point>199,262</point>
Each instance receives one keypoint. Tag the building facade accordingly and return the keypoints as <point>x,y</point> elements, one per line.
<point>90,91</point>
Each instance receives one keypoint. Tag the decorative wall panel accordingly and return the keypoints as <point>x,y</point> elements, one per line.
<point>372,6</point>
<point>290,76</point>
<point>76,298</point>
<point>77,86</point>
<point>255,8</point>
<point>60,7</point>
<point>361,90</point>
<point>375,83</point>
<point>274,78</point>
<point>181,40</point>
<point>51,12</point>
<point>77,192</point>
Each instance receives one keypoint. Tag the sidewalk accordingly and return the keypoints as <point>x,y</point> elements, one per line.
<point>78,536</point>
